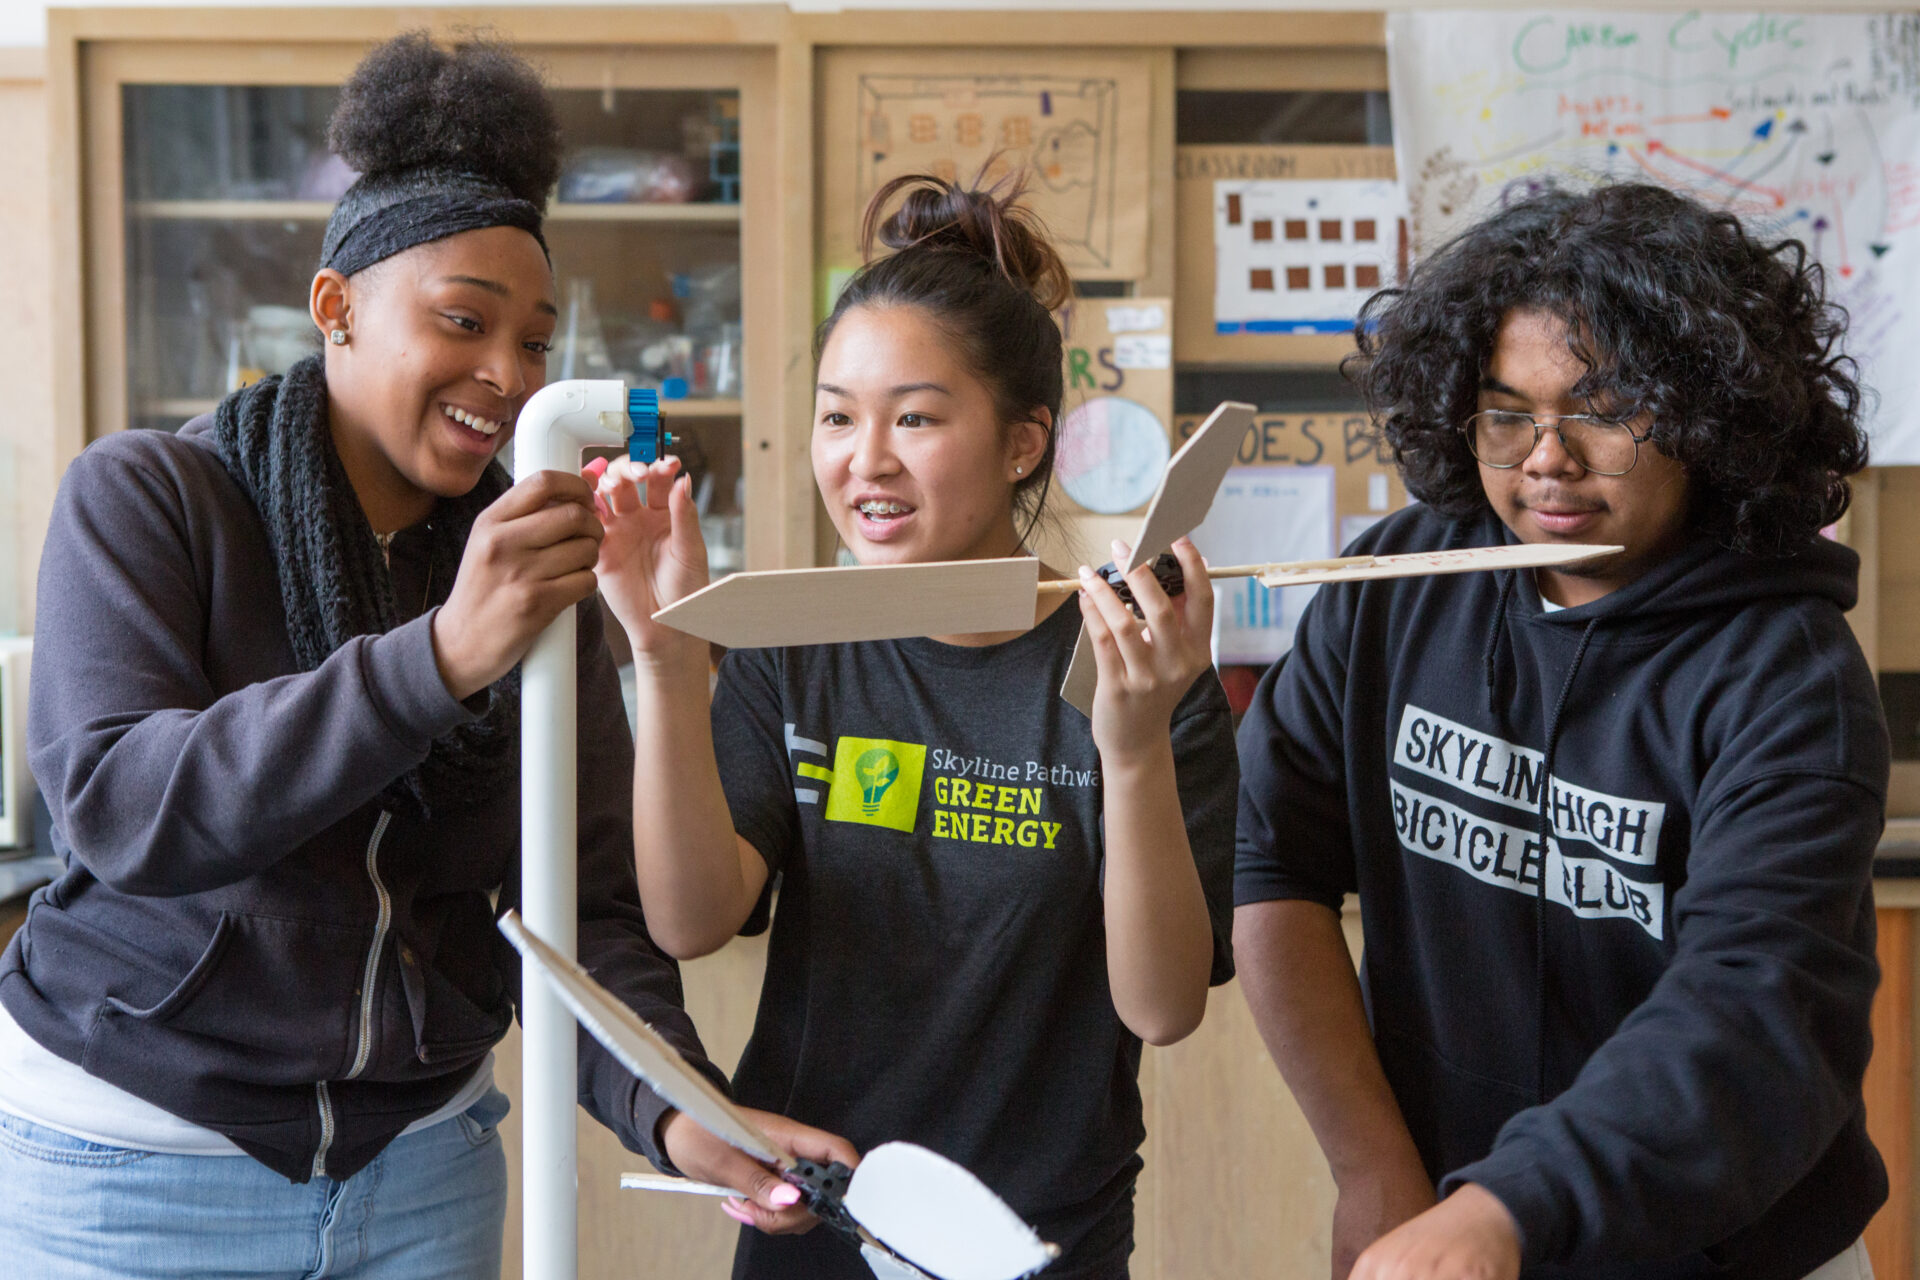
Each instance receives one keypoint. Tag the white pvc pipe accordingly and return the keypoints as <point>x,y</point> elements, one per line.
<point>558,423</point>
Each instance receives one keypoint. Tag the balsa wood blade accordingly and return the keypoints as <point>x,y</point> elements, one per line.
<point>1185,495</point>
<point>1193,478</point>
<point>1421,564</point>
<point>639,1047</point>
<point>940,1218</point>
<point>860,602</point>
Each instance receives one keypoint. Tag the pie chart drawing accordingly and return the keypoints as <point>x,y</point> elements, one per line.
<point>1113,452</point>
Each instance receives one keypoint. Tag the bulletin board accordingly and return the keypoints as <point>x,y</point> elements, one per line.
<point>1076,123</point>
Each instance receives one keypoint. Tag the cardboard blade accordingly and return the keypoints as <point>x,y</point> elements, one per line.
<point>887,1267</point>
<point>940,1218</point>
<point>1421,564</point>
<point>1185,496</point>
<point>639,1047</point>
<point>678,1186</point>
<point>860,602</point>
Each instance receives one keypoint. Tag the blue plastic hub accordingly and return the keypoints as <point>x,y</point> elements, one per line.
<point>650,440</point>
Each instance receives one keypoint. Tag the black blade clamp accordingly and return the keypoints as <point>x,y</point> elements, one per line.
<point>1166,571</point>
<point>823,1189</point>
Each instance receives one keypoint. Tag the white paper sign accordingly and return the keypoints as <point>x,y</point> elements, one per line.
<point>1261,515</point>
<point>1143,351</point>
<point>1299,256</point>
<point>1121,319</point>
<point>1806,126</point>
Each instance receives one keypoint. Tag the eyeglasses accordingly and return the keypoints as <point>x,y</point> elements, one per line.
<point>1505,438</point>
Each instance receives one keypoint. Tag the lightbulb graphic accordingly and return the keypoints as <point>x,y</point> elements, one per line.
<point>876,770</point>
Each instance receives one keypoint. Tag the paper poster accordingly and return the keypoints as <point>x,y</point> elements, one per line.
<point>1806,126</point>
<point>1077,124</point>
<point>1114,440</point>
<point>1263,514</point>
<point>1301,256</point>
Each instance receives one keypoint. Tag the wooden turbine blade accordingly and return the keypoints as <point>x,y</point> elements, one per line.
<point>1186,493</point>
<point>860,602</point>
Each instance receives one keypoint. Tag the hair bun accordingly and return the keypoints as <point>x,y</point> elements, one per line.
<point>478,108</point>
<point>990,223</point>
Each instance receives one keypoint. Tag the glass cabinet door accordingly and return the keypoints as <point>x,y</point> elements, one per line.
<point>228,188</point>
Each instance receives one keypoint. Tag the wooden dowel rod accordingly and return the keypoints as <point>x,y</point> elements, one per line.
<point>1063,586</point>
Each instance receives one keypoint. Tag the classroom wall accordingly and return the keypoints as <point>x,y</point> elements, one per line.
<point>23,22</point>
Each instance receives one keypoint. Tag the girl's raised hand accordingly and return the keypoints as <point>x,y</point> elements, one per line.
<point>1145,667</point>
<point>652,554</point>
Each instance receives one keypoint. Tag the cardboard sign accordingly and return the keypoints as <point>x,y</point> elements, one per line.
<point>1365,487</point>
<point>1114,424</point>
<point>1199,172</point>
<point>1076,122</point>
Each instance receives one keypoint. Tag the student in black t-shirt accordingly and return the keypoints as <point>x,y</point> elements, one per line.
<point>987,902</point>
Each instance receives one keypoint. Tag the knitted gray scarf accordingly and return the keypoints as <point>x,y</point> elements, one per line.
<point>275,440</point>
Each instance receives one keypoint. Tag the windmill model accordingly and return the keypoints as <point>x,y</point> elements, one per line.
<point>889,602</point>
<point>914,1214</point>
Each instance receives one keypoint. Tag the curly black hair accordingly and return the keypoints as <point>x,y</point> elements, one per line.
<point>476,108</point>
<point>1676,310</point>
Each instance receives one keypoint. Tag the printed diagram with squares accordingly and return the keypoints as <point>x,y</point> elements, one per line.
<point>1296,256</point>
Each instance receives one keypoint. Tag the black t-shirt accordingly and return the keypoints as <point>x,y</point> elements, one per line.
<point>937,971</point>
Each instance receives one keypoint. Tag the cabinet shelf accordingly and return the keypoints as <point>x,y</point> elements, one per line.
<point>319,210</point>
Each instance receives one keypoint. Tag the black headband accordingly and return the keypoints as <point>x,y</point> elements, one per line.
<point>381,216</point>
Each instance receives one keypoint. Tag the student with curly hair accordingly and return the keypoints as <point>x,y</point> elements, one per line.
<point>249,1030</point>
<point>1611,827</point>
<point>987,902</point>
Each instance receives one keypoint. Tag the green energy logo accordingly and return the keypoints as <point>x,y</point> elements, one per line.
<point>876,782</point>
<point>876,770</point>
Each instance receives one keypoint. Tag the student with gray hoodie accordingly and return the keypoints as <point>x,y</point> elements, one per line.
<point>249,1029</point>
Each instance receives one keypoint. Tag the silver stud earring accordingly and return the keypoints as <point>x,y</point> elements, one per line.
<point>338,337</point>
<point>1019,471</point>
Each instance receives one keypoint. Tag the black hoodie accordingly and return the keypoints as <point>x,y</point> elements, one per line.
<point>1652,1056</point>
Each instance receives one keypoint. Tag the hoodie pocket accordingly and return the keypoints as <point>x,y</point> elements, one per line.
<point>188,987</point>
<point>269,1001</point>
<point>457,998</point>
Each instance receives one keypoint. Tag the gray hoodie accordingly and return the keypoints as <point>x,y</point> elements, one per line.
<point>242,936</point>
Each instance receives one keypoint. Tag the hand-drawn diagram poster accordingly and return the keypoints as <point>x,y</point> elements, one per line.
<point>1077,125</point>
<point>1806,126</point>
<point>1296,256</point>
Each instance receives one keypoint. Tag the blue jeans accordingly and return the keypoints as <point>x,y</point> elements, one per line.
<point>429,1207</point>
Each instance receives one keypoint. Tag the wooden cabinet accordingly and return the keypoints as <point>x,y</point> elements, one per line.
<point>202,169</point>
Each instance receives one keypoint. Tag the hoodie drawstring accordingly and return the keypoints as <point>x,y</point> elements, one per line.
<point>1494,633</point>
<point>1540,889</point>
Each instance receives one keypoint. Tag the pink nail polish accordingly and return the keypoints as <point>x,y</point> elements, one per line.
<point>784,1196</point>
